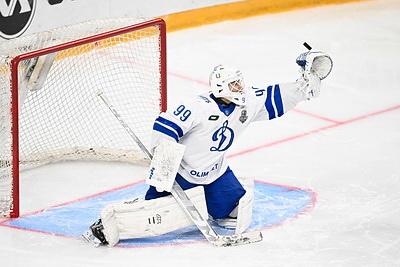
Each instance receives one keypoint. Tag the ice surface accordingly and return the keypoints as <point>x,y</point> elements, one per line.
<point>344,146</point>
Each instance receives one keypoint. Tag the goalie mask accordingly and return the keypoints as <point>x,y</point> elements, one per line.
<point>228,84</point>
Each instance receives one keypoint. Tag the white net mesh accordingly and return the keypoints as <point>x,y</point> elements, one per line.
<point>65,119</point>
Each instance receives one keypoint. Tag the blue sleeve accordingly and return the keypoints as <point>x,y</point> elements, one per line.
<point>277,100</point>
<point>168,128</point>
<point>273,103</point>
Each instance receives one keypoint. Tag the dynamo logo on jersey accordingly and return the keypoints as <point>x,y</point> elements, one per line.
<point>224,136</point>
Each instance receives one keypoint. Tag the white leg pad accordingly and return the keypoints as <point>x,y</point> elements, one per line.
<point>245,207</point>
<point>138,218</point>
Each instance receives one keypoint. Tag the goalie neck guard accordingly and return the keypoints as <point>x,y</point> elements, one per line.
<point>228,84</point>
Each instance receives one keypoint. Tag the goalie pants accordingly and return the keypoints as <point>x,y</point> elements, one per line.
<point>222,195</point>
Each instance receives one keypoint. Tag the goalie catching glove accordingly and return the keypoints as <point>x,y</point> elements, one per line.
<point>315,66</point>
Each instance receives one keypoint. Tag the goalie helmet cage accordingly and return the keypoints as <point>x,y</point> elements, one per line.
<point>50,110</point>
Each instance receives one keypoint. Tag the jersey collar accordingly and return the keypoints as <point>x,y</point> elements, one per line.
<point>223,107</point>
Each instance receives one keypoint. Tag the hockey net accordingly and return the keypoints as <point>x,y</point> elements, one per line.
<point>49,108</point>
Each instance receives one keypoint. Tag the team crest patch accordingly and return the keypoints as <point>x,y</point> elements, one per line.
<point>243,117</point>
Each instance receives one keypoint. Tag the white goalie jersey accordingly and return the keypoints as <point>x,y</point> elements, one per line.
<point>206,146</point>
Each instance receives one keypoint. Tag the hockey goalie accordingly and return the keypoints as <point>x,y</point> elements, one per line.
<point>189,145</point>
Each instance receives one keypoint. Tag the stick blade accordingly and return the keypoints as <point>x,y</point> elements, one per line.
<point>237,240</point>
<point>40,71</point>
<point>91,239</point>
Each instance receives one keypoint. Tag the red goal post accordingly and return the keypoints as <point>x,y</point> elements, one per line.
<point>49,109</point>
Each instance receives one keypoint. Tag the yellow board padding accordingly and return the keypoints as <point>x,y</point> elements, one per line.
<point>104,43</point>
<point>127,37</point>
<point>239,10</point>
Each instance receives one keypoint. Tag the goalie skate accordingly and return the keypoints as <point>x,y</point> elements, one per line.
<point>90,238</point>
<point>95,234</point>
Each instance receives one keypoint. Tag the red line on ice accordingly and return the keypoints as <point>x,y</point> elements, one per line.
<point>336,124</point>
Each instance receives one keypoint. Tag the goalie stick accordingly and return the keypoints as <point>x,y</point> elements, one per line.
<point>183,200</point>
